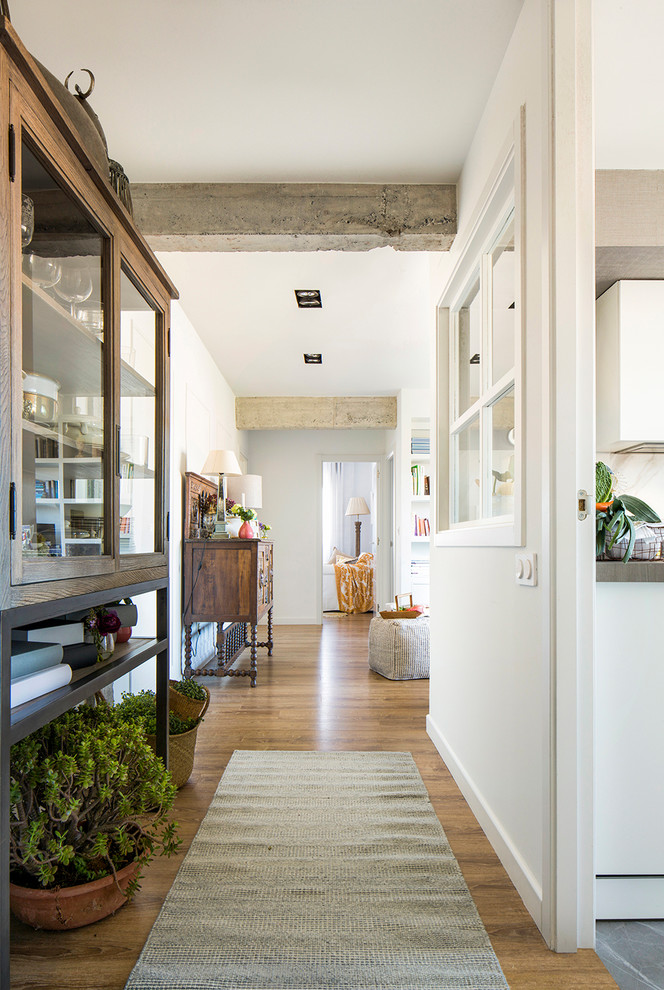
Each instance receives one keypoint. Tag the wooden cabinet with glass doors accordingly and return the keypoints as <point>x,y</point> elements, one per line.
<point>87,349</point>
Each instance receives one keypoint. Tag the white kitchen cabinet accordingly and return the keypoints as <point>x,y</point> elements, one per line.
<point>630,358</point>
<point>629,809</point>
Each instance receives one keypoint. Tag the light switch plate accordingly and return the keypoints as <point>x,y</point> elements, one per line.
<point>525,569</point>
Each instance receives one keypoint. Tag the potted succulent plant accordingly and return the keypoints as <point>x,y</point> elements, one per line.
<point>89,804</point>
<point>188,698</point>
<point>617,516</point>
<point>141,709</point>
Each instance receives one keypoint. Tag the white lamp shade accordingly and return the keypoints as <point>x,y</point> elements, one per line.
<point>221,462</point>
<point>357,507</point>
<point>248,485</point>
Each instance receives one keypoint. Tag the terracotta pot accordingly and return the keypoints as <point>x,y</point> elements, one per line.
<point>123,634</point>
<point>246,532</point>
<point>71,907</point>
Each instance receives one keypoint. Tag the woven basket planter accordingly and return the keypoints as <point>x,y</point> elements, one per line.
<point>187,707</point>
<point>181,750</point>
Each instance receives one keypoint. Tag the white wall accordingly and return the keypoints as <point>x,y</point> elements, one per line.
<point>290,464</point>
<point>488,713</point>
<point>202,419</point>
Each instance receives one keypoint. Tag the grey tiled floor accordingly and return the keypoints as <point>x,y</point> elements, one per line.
<point>633,953</point>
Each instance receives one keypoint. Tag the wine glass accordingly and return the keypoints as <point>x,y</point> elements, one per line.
<point>44,272</point>
<point>74,286</point>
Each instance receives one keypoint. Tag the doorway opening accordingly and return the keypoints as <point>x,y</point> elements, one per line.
<point>349,536</point>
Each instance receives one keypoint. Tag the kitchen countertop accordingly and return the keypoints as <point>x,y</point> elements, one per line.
<point>643,571</point>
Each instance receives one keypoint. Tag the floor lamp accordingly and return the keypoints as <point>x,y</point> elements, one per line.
<point>357,507</point>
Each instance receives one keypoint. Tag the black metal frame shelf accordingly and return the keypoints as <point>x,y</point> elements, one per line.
<point>20,722</point>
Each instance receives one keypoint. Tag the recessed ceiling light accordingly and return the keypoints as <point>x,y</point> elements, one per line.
<point>313,358</point>
<point>308,298</point>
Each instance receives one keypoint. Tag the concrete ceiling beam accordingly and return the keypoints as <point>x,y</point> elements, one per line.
<point>239,216</point>
<point>286,412</point>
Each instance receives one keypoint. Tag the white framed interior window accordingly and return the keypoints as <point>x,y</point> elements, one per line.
<point>479,366</point>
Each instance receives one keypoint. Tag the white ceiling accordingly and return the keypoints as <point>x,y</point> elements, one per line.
<point>289,90</point>
<point>373,329</point>
<point>280,90</point>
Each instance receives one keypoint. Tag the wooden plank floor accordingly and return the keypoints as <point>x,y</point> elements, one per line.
<point>317,693</point>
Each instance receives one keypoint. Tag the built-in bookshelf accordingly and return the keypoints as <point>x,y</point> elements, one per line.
<point>420,509</point>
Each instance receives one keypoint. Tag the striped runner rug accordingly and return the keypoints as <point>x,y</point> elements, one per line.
<point>319,870</point>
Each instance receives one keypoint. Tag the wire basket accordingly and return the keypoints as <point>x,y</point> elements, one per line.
<point>181,750</point>
<point>187,707</point>
<point>648,545</point>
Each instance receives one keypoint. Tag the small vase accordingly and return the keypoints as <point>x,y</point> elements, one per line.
<point>246,532</point>
<point>107,645</point>
<point>123,634</point>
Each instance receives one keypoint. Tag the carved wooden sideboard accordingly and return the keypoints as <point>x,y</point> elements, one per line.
<point>228,581</point>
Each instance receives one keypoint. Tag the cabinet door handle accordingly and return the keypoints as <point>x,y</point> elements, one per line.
<point>117,450</point>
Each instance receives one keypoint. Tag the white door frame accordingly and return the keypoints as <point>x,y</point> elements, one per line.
<point>368,458</point>
<point>569,436</point>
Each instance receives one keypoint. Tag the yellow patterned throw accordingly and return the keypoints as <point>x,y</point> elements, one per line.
<point>355,584</point>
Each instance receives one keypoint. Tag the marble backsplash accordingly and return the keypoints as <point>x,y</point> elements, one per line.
<point>641,475</point>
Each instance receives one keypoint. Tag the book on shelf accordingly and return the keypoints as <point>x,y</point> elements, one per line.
<point>421,526</point>
<point>46,489</point>
<point>64,633</point>
<point>83,488</point>
<point>420,443</point>
<point>46,447</point>
<point>80,655</point>
<point>29,658</point>
<point>127,613</point>
<point>35,685</point>
<point>419,479</point>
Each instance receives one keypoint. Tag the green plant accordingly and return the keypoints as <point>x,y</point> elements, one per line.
<point>87,796</point>
<point>245,514</point>
<point>616,518</point>
<point>141,709</point>
<point>190,689</point>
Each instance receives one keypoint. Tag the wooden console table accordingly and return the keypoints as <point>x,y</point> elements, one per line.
<point>228,581</point>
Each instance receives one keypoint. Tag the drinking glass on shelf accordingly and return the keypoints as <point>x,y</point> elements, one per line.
<point>27,220</point>
<point>44,272</point>
<point>75,286</point>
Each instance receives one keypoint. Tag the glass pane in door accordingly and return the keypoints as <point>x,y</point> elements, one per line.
<point>502,455</point>
<point>138,411</point>
<point>467,494</point>
<point>62,370</point>
<point>469,339</point>
<point>503,303</point>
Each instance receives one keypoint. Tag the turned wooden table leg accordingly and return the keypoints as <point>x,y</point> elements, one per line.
<point>187,652</point>
<point>254,654</point>
<point>270,642</point>
<point>220,644</point>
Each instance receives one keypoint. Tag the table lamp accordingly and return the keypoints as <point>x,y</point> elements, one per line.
<point>357,507</point>
<point>247,489</point>
<point>221,463</point>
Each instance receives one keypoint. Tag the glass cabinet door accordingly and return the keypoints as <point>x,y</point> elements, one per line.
<point>64,506</point>
<point>139,435</point>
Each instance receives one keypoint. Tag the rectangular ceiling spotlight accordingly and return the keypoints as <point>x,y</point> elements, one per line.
<point>308,298</point>
<point>313,358</point>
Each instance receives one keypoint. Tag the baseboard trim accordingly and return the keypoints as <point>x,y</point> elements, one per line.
<point>518,871</point>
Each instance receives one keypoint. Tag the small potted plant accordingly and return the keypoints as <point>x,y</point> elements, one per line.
<point>247,515</point>
<point>89,804</point>
<point>188,698</point>
<point>617,517</point>
<point>141,709</point>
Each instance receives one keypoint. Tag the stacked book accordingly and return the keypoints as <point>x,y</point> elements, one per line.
<point>420,443</point>
<point>43,657</point>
